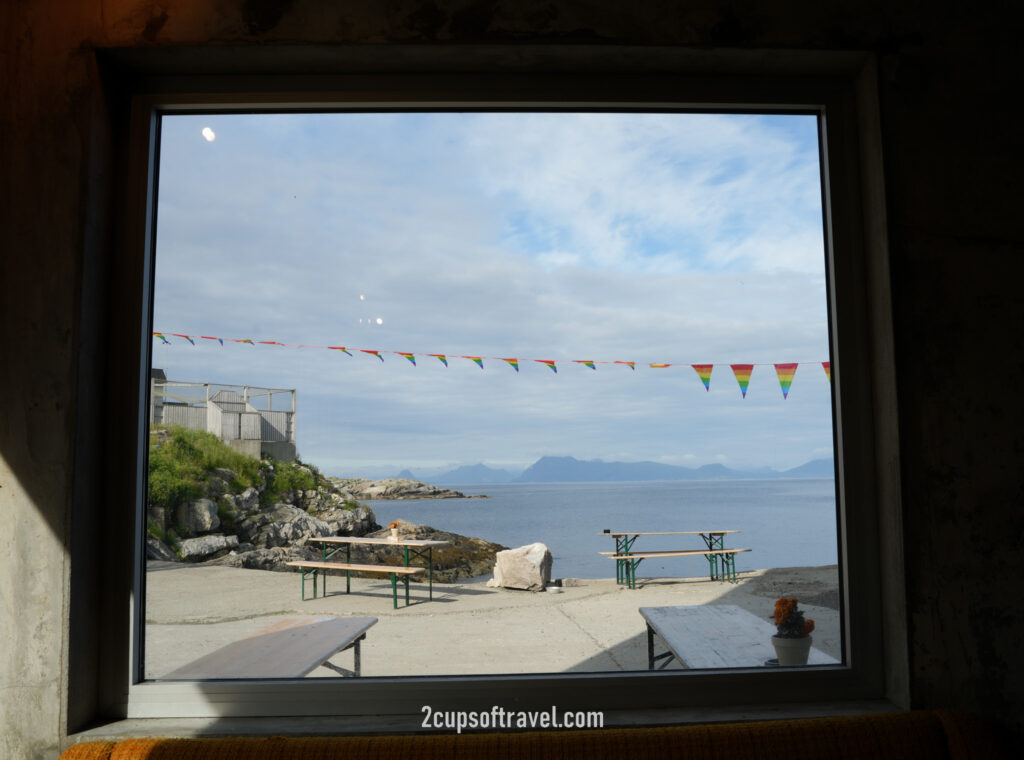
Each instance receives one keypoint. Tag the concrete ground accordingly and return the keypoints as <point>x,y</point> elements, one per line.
<point>467,628</point>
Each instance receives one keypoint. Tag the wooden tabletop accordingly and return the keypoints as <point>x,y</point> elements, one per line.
<point>719,636</point>
<point>379,541</point>
<point>289,652</point>
<point>669,533</point>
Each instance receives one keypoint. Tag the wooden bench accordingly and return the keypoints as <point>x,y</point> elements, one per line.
<point>289,649</point>
<point>714,636</point>
<point>632,560</point>
<point>312,569</point>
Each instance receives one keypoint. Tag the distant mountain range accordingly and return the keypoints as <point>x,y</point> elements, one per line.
<point>572,470</point>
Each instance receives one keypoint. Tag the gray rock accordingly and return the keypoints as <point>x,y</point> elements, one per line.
<point>349,522</point>
<point>199,516</point>
<point>206,547</point>
<point>284,525</point>
<point>526,567</point>
<point>245,503</point>
<point>395,488</point>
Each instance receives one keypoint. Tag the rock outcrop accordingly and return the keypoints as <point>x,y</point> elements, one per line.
<point>238,529</point>
<point>526,567</point>
<point>397,489</point>
<point>206,547</point>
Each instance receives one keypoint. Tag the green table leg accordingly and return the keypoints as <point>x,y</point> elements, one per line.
<point>394,590</point>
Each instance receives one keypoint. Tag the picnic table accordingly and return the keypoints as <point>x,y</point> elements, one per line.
<point>721,561</point>
<point>412,548</point>
<point>714,636</point>
<point>287,649</point>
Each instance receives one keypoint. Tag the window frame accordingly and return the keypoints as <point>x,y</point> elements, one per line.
<point>840,87</point>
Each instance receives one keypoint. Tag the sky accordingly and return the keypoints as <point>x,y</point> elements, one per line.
<point>652,238</point>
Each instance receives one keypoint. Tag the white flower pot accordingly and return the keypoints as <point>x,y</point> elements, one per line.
<point>394,535</point>
<point>792,651</point>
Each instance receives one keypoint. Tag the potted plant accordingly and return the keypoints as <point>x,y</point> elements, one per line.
<point>793,641</point>
<point>394,531</point>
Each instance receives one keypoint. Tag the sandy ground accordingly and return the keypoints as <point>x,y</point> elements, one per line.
<point>467,628</point>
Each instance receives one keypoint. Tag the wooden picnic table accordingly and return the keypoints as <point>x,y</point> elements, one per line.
<point>715,636</point>
<point>721,561</point>
<point>287,649</point>
<point>412,548</point>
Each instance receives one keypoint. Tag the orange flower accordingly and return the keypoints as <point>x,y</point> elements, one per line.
<point>808,627</point>
<point>394,524</point>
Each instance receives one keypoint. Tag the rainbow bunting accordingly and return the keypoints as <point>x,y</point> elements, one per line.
<point>828,370</point>
<point>585,363</point>
<point>270,343</point>
<point>513,363</point>
<point>631,365</point>
<point>742,372</point>
<point>658,366</point>
<point>478,360</point>
<point>242,340</point>
<point>186,337</point>
<point>340,348</point>
<point>161,337</point>
<point>704,373</point>
<point>210,337</point>
<point>372,353</point>
<point>785,373</point>
<point>441,358</point>
<point>549,363</point>
<point>410,357</point>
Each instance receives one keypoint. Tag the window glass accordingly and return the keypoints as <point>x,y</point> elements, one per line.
<point>493,330</point>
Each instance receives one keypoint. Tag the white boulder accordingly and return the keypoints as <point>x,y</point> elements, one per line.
<point>526,567</point>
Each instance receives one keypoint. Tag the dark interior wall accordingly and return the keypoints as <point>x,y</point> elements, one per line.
<point>953,190</point>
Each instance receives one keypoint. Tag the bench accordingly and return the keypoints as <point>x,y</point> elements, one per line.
<point>631,561</point>
<point>289,649</point>
<point>714,636</point>
<point>312,569</point>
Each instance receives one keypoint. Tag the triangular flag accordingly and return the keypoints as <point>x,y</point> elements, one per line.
<point>410,357</point>
<point>828,370</point>
<point>441,358</point>
<point>340,348</point>
<point>372,353</point>
<point>742,372</point>
<point>658,366</point>
<point>785,373</point>
<point>186,337</point>
<point>161,337</point>
<point>270,343</point>
<point>513,363</point>
<point>210,337</point>
<point>585,363</point>
<point>704,373</point>
<point>549,363</point>
<point>631,365</point>
<point>478,360</point>
<point>242,340</point>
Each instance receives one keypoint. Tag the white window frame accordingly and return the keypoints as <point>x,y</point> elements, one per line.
<point>841,89</point>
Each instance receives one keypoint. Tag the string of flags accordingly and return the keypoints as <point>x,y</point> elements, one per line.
<point>784,371</point>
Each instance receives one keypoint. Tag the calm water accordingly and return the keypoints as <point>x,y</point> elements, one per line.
<point>786,523</point>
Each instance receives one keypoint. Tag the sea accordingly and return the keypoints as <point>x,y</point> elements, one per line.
<point>784,523</point>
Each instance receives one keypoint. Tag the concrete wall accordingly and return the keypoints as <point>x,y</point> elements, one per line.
<point>946,75</point>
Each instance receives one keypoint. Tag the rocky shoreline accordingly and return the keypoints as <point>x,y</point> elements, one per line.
<point>397,489</point>
<point>238,529</point>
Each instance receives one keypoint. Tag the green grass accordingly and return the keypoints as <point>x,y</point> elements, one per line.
<point>179,466</point>
<point>289,476</point>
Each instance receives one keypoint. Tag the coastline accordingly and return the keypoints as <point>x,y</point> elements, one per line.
<point>467,629</point>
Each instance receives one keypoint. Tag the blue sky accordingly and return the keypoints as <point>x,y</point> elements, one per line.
<point>654,238</point>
